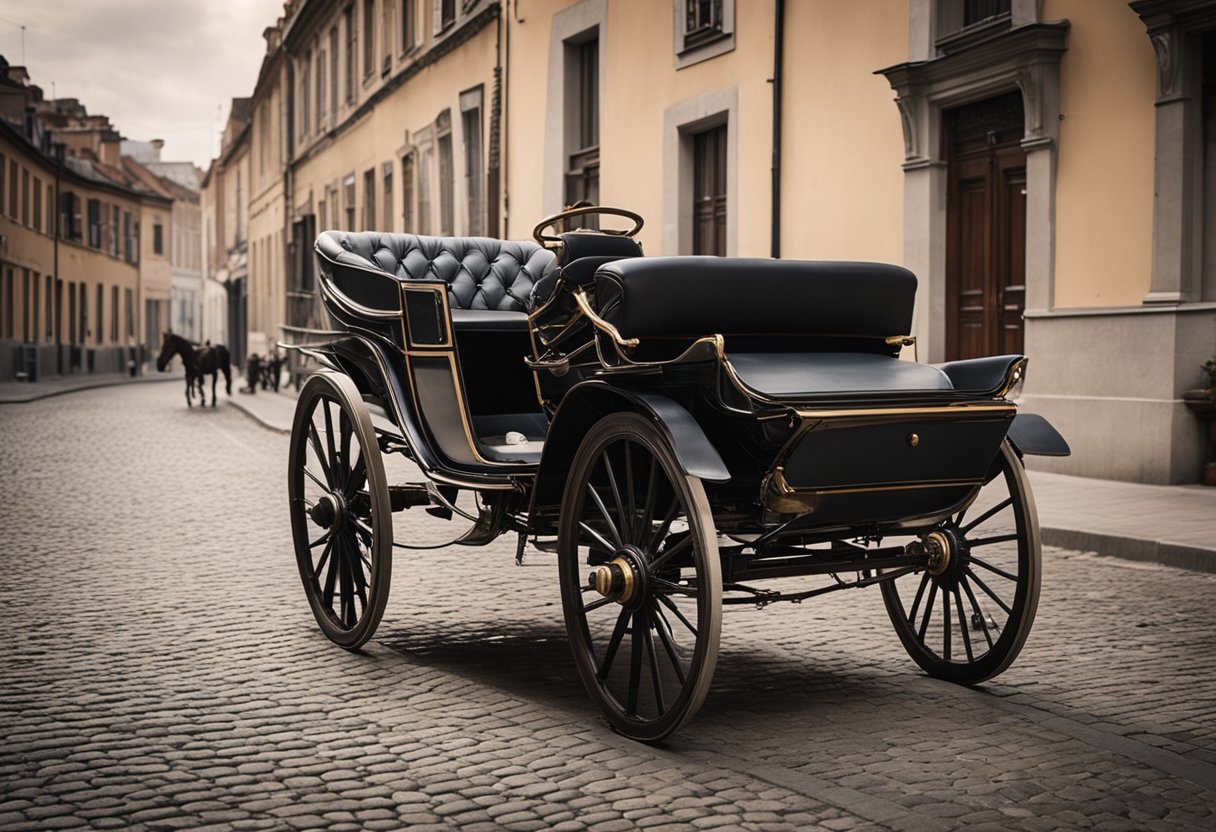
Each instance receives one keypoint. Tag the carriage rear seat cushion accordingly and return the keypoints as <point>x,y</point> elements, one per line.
<point>489,320</point>
<point>794,374</point>
<point>696,296</point>
<point>481,272</point>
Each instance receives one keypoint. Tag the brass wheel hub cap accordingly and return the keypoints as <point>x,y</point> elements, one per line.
<point>328,511</point>
<point>621,579</point>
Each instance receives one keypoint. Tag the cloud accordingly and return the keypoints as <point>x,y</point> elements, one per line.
<point>158,68</point>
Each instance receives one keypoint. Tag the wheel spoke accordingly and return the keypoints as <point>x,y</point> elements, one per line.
<point>989,592</point>
<point>945,625</point>
<point>612,529</point>
<point>658,562</point>
<point>330,577</point>
<point>358,476</point>
<point>313,477</point>
<point>635,666</point>
<point>325,553</point>
<point>977,611</point>
<point>624,533</point>
<point>315,441</point>
<point>598,537</point>
<point>334,462</point>
<point>916,602</point>
<point>618,633</point>
<point>633,531</point>
<point>345,587</point>
<point>962,624</point>
<point>345,428</point>
<point>662,627</point>
<point>596,604</point>
<point>994,569</point>
<point>667,602</point>
<point>989,513</point>
<point>654,665</point>
<point>924,623</point>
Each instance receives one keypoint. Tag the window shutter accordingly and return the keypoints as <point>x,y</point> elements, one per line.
<point>436,16</point>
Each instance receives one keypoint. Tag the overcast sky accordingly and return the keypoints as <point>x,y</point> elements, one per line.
<point>160,69</point>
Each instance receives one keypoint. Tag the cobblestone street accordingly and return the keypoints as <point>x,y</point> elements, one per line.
<point>161,670</point>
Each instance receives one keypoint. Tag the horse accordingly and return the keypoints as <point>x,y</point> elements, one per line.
<point>199,361</point>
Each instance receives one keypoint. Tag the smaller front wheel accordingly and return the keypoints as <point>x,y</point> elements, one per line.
<point>640,577</point>
<point>341,519</point>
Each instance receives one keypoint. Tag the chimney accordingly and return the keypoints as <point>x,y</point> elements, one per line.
<point>157,146</point>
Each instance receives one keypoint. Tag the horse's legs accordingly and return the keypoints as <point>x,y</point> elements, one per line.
<point>189,392</point>
<point>214,377</point>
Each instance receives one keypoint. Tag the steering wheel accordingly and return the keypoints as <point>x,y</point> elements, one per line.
<point>547,240</point>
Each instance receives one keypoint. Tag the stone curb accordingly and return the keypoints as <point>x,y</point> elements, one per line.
<point>45,393</point>
<point>259,418</point>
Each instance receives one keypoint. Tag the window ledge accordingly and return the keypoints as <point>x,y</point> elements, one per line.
<point>705,49</point>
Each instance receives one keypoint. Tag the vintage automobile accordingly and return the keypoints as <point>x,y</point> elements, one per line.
<point>678,430</point>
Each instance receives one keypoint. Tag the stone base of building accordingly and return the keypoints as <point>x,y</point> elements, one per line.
<point>34,362</point>
<point>1111,381</point>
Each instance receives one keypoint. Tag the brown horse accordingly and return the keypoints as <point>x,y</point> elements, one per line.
<point>199,361</point>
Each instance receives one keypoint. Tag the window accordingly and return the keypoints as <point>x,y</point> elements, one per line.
<point>333,70</point>
<point>703,29</point>
<point>425,168</point>
<point>369,39</point>
<point>445,14</point>
<point>37,204</point>
<point>100,331</point>
<point>348,20</point>
<point>320,88</point>
<point>321,216</point>
<point>443,127</point>
<point>128,240</point>
<point>702,22</point>
<point>36,283</point>
<point>69,221</point>
<point>25,196</point>
<point>84,313</point>
<point>25,304</point>
<point>389,28</point>
<point>128,312</point>
<point>114,314</point>
<point>50,207</point>
<point>369,200</point>
<point>7,297</point>
<point>583,146</point>
<point>388,196</point>
<point>407,193</point>
<point>709,192</point>
<point>470,118</point>
<point>409,12</point>
<point>348,200</point>
<point>978,11</point>
<point>158,239</point>
<point>2,169</point>
<point>12,188</point>
<point>49,301</point>
<point>114,220</point>
<point>94,223</point>
<point>71,312</point>
<point>305,92</point>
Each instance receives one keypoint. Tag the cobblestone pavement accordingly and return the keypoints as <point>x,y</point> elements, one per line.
<point>161,670</point>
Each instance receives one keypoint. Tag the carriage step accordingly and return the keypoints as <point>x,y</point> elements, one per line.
<point>402,497</point>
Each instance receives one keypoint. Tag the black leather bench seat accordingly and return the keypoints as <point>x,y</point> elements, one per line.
<point>796,374</point>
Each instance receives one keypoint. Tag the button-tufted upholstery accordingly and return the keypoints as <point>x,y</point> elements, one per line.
<point>481,273</point>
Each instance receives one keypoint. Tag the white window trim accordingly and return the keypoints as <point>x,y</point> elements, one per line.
<point>680,123</point>
<point>685,57</point>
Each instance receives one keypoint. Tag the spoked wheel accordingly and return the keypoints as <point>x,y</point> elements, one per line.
<point>640,576</point>
<point>966,617</point>
<point>341,518</point>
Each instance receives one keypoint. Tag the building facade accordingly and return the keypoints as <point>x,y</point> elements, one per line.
<point>1045,167</point>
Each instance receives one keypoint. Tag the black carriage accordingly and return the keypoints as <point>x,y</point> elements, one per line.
<point>680,431</point>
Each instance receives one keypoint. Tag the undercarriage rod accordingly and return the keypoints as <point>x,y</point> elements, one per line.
<point>763,597</point>
<point>786,567</point>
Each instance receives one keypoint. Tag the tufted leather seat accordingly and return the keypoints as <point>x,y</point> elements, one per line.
<point>481,273</point>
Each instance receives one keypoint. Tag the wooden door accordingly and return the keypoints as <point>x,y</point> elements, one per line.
<point>985,228</point>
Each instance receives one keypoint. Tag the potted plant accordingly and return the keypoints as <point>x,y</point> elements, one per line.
<point>1202,402</point>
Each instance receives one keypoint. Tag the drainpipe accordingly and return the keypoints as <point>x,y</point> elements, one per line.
<point>56,286</point>
<point>494,168</point>
<point>778,52</point>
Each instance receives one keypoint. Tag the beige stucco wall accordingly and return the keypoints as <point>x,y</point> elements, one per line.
<point>842,184</point>
<point>1104,183</point>
<point>155,270</point>
<point>266,288</point>
<point>385,133</point>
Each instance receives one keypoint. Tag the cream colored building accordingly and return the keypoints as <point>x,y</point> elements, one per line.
<point>1043,166</point>
<point>267,269</point>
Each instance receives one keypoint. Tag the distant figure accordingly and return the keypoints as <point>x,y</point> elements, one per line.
<point>253,373</point>
<point>198,361</point>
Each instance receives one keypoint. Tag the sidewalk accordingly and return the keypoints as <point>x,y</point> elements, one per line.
<point>19,392</point>
<point>1173,525</point>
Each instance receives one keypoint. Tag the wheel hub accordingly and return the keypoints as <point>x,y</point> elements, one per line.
<point>947,554</point>
<point>328,511</point>
<point>622,579</point>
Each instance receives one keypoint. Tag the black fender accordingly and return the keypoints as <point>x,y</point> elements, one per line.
<point>1032,434</point>
<point>587,403</point>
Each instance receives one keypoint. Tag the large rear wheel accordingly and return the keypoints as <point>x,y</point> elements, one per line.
<point>341,520</point>
<point>640,578</point>
<point>966,618</point>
